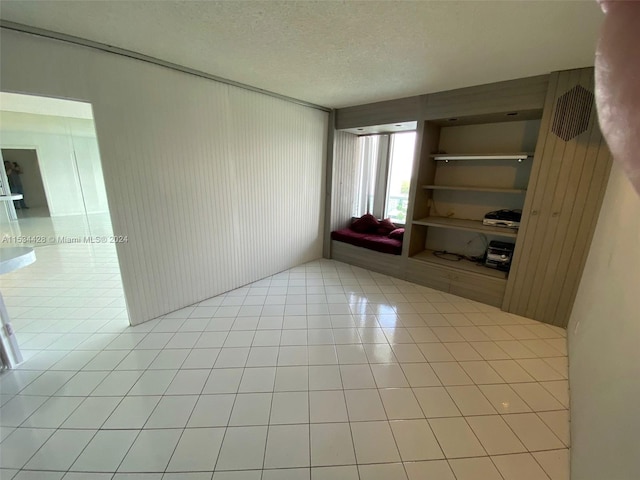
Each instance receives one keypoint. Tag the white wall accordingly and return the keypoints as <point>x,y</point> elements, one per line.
<point>214,185</point>
<point>56,139</point>
<point>87,153</point>
<point>604,344</point>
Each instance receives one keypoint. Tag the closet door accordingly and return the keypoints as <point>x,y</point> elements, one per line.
<point>571,168</point>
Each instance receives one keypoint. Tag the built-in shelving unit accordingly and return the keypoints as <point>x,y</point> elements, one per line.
<point>428,256</point>
<point>467,225</point>
<point>545,130</point>
<point>456,190</point>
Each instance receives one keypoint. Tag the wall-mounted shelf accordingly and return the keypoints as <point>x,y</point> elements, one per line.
<point>427,256</point>
<point>475,189</point>
<point>468,225</point>
<point>446,157</point>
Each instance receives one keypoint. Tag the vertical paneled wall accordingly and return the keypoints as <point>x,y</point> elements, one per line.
<point>567,185</point>
<point>345,174</point>
<point>214,185</point>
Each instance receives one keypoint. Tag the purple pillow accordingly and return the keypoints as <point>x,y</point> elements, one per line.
<point>397,234</point>
<point>385,227</point>
<point>365,224</point>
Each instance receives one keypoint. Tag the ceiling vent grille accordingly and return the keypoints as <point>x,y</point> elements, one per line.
<point>573,110</point>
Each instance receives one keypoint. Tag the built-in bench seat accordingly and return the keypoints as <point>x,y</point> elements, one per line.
<point>373,241</point>
<point>369,243</point>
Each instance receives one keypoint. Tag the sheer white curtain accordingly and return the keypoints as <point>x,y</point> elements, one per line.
<point>368,174</point>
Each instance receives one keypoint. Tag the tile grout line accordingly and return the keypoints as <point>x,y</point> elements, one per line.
<point>266,441</point>
<point>335,346</point>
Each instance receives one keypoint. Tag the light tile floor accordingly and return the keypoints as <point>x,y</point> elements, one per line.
<point>345,374</point>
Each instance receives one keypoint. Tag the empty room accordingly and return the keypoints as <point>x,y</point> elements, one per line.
<point>352,240</point>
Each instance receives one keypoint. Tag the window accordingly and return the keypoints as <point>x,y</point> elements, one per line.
<point>400,166</point>
<point>384,175</point>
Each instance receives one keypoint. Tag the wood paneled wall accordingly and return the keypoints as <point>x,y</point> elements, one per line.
<point>379,113</point>
<point>566,190</point>
<point>204,178</point>
<point>521,95</point>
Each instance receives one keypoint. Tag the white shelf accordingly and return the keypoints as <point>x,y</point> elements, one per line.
<point>468,225</point>
<point>474,189</point>
<point>486,156</point>
<point>13,196</point>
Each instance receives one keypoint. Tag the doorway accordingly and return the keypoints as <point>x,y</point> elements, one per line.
<point>34,196</point>
<point>73,290</point>
<point>55,143</point>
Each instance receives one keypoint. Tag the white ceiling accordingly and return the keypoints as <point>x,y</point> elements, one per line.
<point>338,53</point>
<point>14,102</point>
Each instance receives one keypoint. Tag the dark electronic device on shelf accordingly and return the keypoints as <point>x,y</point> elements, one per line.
<point>503,218</point>
<point>499,255</point>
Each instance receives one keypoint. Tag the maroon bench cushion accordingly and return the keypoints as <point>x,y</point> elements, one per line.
<point>379,243</point>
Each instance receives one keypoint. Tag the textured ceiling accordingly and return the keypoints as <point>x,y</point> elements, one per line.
<point>338,53</point>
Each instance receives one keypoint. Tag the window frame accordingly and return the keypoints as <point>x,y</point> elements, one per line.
<point>382,172</point>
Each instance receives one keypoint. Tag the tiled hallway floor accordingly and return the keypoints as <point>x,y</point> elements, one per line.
<point>321,372</point>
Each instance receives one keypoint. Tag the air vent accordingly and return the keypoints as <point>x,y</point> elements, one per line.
<point>573,110</point>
